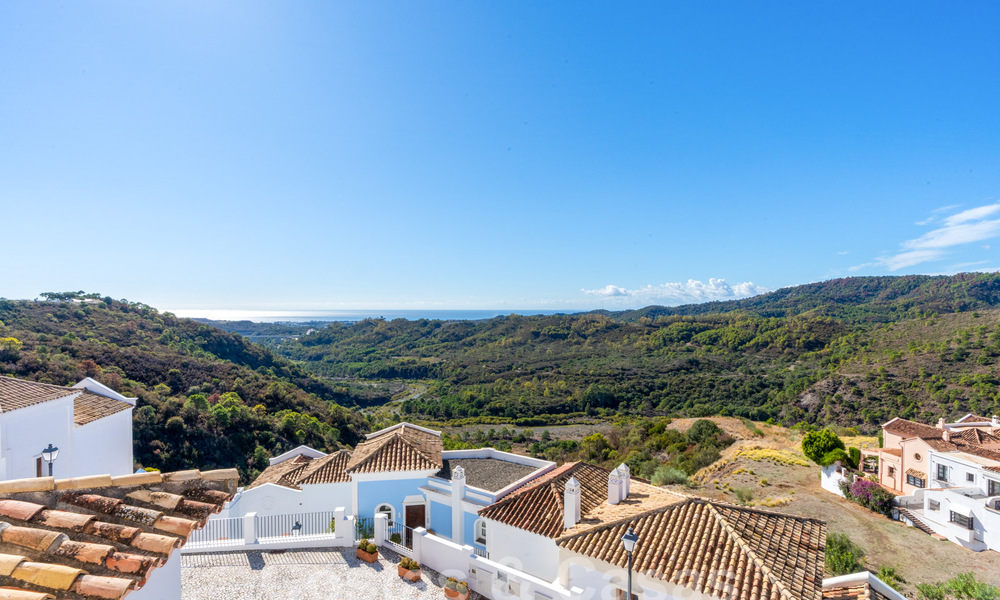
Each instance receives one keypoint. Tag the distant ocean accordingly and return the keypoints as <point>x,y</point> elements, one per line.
<point>301,316</point>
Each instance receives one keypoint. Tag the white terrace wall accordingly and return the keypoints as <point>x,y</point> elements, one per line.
<point>164,583</point>
<point>830,478</point>
<point>484,576</point>
<point>273,499</point>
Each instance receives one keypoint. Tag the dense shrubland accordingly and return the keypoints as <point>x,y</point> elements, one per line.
<point>206,398</point>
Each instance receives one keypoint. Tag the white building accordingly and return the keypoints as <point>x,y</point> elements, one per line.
<point>962,502</point>
<point>400,471</point>
<point>89,423</point>
<point>123,528</point>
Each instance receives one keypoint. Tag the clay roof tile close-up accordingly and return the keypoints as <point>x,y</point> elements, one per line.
<point>61,540</point>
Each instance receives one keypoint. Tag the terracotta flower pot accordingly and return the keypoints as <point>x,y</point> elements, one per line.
<point>369,557</point>
<point>455,594</point>
<point>409,575</point>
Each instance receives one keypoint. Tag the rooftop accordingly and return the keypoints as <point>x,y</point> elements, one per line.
<point>403,447</point>
<point>761,555</point>
<point>100,536</point>
<point>490,474</point>
<point>539,506</point>
<point>302,470</point>
<point>911,429</point>
<point>88,406</point>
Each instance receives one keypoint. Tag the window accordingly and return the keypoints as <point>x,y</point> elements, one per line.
<point>388,510</point>
<point>916,456</point>
<point>934,505</point>
<point>961,520</point>
<point>970,477</point>
<point>915,481</point>
<point>942,473</point>
<point>480,529</point>
<point>892,471</point>
<point>993,487</point>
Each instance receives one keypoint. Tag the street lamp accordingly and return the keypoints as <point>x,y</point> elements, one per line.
<point>297,528</point>
<point>49,455</point>
<point>629,540</point>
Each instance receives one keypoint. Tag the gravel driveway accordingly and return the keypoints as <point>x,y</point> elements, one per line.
<point>301,574</point>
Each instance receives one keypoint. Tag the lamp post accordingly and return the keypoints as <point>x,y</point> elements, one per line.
<point>50,455</point>
<point>297,528</point>
<point>629,540</point>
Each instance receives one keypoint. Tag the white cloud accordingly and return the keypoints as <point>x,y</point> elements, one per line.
<point>688,292</point>
<point>965,227</point>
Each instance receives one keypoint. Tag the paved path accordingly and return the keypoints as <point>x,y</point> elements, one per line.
<point>300,574</point>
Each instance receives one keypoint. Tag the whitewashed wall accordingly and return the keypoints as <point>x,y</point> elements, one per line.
<point>484,576</point>
<point>272,499</point>
<point>102,447</point>
<point>830,479</point>
<point>164,582</point>
<point>25,432</point>
<point>591,579</point>
<point>522,550</point>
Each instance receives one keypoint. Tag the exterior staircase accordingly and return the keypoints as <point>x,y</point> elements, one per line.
<point>915,521</point>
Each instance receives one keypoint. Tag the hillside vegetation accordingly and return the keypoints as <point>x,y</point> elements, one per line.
<point>786,356</point>
<point>206,398</point>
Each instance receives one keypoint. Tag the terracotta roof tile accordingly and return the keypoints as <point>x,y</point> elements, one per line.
<point>20,393</point>
<point>917,474</point>
<point>539,507</point>
<point>89,407</point>
<point>105,546</point>
<point>908,429</point>
<point>725,551</point>
<point>404,448</point>
<point>331,468</point>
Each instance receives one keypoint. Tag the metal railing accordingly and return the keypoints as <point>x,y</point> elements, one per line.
<point>317,523</point>
<point>399,538</point>
<point>481,552</point>
<point>218,532</point>
<point>364,528</point>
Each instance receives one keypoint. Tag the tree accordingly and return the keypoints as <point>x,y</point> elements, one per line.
<point>817,444</point>
<point>703,430</point>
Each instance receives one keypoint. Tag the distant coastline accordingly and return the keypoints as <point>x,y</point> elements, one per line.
<point>304,316</point>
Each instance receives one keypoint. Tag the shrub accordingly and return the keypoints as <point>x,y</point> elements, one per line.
<point>835,455</point>
<point>891,577</point>
<point>855,454</point>
<point>869,494</point>
<point>842,555</point>
<point>963,586</point>
<point>817,444</point>
<point>743,495</point>
<point>665,475</point>
<point>409,564</point>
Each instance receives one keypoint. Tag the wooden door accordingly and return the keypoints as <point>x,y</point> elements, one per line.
<point>414,518</point>
<point>38,466</point>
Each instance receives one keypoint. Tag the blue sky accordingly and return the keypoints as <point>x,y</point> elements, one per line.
<point>562,155</point>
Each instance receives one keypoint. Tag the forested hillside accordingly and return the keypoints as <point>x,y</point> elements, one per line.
<point>784,356</point>
<point>207,398</point>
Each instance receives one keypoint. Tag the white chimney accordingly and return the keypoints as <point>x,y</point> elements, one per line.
<point>615,487</point>
<point>946,435</point>
<point>571,503</point>
<point>457,494</point>
<point>941,423</point>
<point>626,478</point>
<point>995,422</point>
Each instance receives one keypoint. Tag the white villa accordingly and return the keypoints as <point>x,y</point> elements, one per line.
<point>89,424</point>
<point>93,530</point>
<point>948,477</point>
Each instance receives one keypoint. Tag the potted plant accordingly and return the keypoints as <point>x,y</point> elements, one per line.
<point>367,551</point>
<point>455,589</point>
<point>409,569</point>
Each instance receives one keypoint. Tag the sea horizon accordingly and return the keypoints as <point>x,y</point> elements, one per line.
<point>303,316</point>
